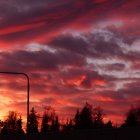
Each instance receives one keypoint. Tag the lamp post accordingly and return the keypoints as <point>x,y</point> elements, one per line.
<point>28,94</point>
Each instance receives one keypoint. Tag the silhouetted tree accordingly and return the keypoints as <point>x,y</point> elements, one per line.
<point>55,124</point>
<point>109,124</point>
<point>19,126</point>
<point>77,119</point>
<point>33,122</point>
<point>12,124</point>
<point>89,118</point>
<point>45,123</point>
<point>132,118</point>
<point>138,116</point>
<point>68,126</point>
<point>4,130</point>
<point>98,118</point>
<point>86,120</point>
<point>1,125</point>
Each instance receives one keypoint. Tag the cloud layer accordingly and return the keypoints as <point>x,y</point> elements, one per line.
<point>74,52</point>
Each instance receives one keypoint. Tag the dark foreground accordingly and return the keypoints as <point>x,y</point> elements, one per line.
<point>102,134</point>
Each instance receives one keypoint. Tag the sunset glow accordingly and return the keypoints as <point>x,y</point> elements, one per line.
<point>74,52</point>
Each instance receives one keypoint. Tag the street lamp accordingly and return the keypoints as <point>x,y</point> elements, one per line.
<point>28,95</point>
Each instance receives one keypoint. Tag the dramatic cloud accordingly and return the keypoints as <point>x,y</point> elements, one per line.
<point>74,52</point>
<point>24,21</point>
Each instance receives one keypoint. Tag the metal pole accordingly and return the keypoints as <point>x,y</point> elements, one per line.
<point>28,96</point>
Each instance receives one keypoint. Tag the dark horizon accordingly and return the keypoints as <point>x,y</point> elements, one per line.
<point>89,117</point>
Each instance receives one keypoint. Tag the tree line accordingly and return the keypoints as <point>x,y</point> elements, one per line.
<point>86,118</point>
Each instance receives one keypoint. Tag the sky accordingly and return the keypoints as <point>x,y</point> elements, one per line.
<point>74,51</point>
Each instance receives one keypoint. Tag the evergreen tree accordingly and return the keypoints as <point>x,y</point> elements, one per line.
<point>77,119</point>
<point>4,130</point>
<point>13,124</point>
<point>108,124</point>
<point>19,126</point>
<point>132,118</point>
<point>68,126</point>
<point>98,118</point>
<point>86,120</point>
<point>45,123</point>
<point>138,116</point>
<point>55,124</point>
<point>33,122</point>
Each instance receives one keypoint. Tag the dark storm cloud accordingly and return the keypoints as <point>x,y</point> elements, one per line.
<point>53,17</point>
<point>91,45</point>
<point>39,60</point>
<point>116,66</point>
<point>71,43</point>
<point>107,49</point>
<point>34,18</point>
<point>128,93</point>
<point>70,51</point>
<point>100,45</point>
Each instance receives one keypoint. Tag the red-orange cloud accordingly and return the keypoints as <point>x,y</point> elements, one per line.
<point>74,52</point>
